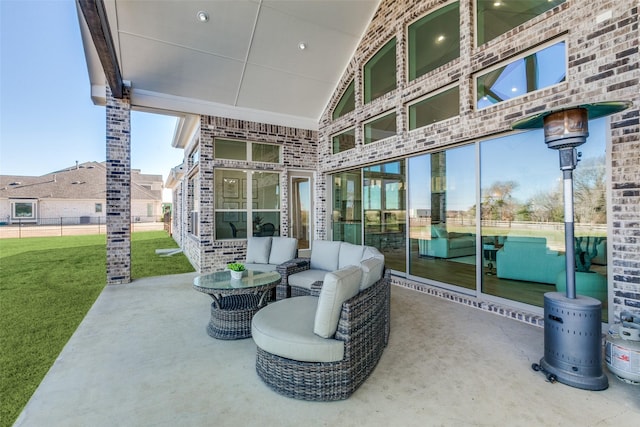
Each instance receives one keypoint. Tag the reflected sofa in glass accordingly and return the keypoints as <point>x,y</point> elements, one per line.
<point>445,244</point>
<point>529,259</point>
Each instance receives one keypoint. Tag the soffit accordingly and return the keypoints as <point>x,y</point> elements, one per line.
<point>244,62</point>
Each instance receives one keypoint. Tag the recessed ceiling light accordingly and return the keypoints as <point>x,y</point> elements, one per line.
<point>302,46</point>
<point>440,38</point>
<point>202,16</point>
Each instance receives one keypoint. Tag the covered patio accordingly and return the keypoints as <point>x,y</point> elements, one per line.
<point>142,357</point>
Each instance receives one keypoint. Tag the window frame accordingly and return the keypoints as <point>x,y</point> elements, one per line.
<point>248,193</point>
<point>476,16</point>
<point>408,43</point>
<point>344,131</point>
<point>429,95</point>
<point>350,87</point>
<point>375,118</point>
<point>503,64</point>
<point>249,150</point>
<point>381,51</point>
<point>34,210</point>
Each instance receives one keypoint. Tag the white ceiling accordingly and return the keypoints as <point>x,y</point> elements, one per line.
<point>243,63</point>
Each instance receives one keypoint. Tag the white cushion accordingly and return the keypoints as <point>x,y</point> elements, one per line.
<point>306,278</point>
<point>285,328</point>
<point>371,272</point>
<point>282,249</point>
<point>324,255</point>
<point>350,254</point>
<point>258,249</point>
<point>338,287</point>
<point>371,252</point>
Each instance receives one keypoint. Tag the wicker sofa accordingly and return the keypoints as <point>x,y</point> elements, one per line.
<point>298,275</point>
<point>299,356</point>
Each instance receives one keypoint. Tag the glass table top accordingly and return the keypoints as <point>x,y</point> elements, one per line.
<point>222,280</point>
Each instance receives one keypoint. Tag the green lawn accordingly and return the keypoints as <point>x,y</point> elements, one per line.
<point>47,285</point>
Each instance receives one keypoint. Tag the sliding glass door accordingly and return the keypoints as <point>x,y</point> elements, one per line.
<point>384,205</point>
<point>442,202</point>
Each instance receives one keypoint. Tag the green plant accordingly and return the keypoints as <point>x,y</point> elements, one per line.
<point>257,220</point>
<point>235,266</point>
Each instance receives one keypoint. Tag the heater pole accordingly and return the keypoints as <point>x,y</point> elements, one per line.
<point>569,240</point>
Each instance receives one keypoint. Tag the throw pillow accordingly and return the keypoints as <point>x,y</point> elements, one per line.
<point>258,249</point>
<point>338,287</point>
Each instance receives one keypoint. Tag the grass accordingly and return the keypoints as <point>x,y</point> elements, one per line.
<point>47,285</point>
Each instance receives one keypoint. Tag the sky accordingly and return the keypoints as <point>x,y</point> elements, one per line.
<point>47,118</point>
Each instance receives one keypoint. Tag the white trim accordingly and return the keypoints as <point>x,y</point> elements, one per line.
<point>145,98</point>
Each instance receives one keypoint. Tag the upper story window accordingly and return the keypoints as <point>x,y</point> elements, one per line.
<point>194,157</point>
<point>498,17</point>
<point>544,68</point>
<point>380,72</point>
<point>380,128</point>
<point>347,103</point>
<point>435,108</point>
<point>434,40</point>
<point>247,151</point>
<point>344,141</point>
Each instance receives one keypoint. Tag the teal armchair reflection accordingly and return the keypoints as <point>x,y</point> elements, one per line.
<point>529,259</point>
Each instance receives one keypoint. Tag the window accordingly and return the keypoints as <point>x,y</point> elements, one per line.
<point>344,141</point>
<point>98,207</point>
<point>24,210</point>
<point>522,212</point>
<point>347,103</point>
<point>247,203</point>
<point>498,17</point>
<point>194,157</point>
<point>193,202</point>
<point>544,68</point>
<point>380,128</point>
<point>435,108</point>
<point>380,72</point>
<point>384,205</point>
<point>434,40</point>
<point>247,151</point>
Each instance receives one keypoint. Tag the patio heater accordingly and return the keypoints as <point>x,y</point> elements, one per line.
<point>572,331</point>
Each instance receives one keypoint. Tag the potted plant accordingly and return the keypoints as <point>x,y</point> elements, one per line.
<point>257,222</point>
<point>236,269</point>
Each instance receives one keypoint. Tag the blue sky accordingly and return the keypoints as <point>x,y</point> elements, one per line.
<point>47,119</point>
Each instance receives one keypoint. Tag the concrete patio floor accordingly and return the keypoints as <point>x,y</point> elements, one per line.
<point>141,357</point>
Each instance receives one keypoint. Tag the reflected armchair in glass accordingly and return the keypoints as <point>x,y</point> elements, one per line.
<point>234,230</point>
<point>268,229</point>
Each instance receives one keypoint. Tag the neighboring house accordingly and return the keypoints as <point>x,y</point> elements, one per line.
<point>74,195</point>
<point>386,123</point>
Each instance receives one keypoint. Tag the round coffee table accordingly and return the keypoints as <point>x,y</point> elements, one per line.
<point>235,301</point>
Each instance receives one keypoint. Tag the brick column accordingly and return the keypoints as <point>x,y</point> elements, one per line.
<point>118,188</point>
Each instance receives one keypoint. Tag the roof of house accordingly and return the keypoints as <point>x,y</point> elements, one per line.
<point>85,181</point>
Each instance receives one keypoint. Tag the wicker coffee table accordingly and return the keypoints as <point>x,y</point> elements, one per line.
<point>235,301</point>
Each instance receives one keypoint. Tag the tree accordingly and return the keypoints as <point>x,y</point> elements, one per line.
<point>499,204</point>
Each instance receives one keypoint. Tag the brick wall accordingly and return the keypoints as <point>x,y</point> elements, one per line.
<point>602,65</point>
<point>118,209</point>
<point>299,151</point>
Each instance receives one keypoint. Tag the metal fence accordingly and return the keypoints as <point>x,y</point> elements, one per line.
<point>68,226</point>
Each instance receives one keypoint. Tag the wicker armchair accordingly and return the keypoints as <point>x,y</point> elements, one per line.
<point>364,328</point>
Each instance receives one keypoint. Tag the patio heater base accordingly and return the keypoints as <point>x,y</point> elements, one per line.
<point>572,342</point>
